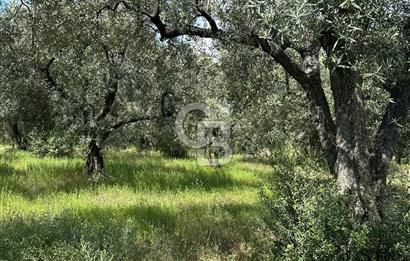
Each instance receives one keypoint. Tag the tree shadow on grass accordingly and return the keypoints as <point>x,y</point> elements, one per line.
<point>42,179</point>
<point>7,170</point>
<point>131,233</point>
<point>161,177</point>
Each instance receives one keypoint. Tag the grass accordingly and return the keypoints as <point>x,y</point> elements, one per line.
<point>150,208</point>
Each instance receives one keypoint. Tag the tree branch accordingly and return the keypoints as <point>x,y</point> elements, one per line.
<point>25,5</point>
<point>252,40</point>
<point>208,17</point>
<point>50,79</point>
<point>126,122</point>
<point>114,7</point>
<point>387,137</point>
<point>107,52</point>
<point>113,81</point>
<point>109,97</point>
<point>53,86</point>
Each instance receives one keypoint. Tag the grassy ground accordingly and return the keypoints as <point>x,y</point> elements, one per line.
<point>150,208</point>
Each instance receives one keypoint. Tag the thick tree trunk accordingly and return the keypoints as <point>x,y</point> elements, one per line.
<point>388,135</point>
<point>352,166</point>
<point>319,106</point>
<point>94,162</point>
<point>16,136</point>
<point>352,163</point>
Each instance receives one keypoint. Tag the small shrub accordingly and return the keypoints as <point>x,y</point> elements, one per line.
<point>52,144</point>
<point>166,140</point>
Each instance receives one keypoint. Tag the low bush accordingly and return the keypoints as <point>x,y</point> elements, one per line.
<point>309,219</point>
<point>53,144</point>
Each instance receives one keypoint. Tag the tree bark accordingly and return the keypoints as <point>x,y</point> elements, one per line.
<point>351,137</point>
<point>388,135</point>
<point>353,158</point>
<point>352,167</point>
<point>94,161</point>
<point>319,106</point>
<point>16,136</point>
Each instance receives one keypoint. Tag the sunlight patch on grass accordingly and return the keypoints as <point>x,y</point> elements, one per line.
<point>120,197</point>
<point>148,207</point>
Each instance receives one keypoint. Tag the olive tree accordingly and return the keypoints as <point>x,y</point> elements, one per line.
<point>94,65</point>
<point>294,34</point>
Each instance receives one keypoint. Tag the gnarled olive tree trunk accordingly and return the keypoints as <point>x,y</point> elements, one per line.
<point>16,136</point>
<point>352,165</point>
<point>94,165</point>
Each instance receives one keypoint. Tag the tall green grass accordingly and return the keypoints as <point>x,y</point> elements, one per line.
<point>148,208</point>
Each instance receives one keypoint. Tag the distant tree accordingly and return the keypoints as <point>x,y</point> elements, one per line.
<point>25,103</point>
<point>94,81</point>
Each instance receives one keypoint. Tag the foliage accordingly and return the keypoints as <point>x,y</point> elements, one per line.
<point>260,94</point>
<point>52,144</point>
<point>309,218</point>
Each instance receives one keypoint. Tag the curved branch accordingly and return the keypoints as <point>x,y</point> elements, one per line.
<point>114,7</point>
<point>252,40</point>
<point>109,97</point>
<point>208,17</point>
<point>113,81</point>
<point>50,79</point>
<point>126,122</point>
<point>25,5</point>
<point>52,83</point>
